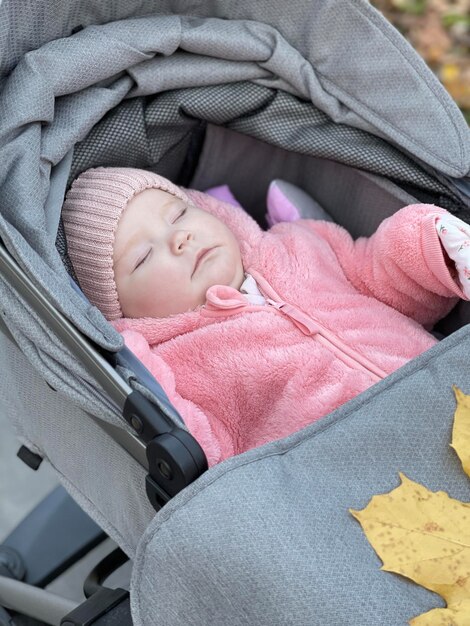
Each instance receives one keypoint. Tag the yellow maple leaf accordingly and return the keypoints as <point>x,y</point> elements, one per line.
<point>425,535</point>
<point>461,429</point>
<point>451,616</point>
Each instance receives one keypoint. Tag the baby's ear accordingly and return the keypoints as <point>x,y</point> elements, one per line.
<point>287,202</point>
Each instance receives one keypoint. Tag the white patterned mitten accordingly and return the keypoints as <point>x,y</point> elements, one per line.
<point>455,238</point>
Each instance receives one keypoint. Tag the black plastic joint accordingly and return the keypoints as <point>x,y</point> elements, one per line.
<point>171,462</point>
<point>95,607</point>
<point>175,458</point>
<point>145,418</point>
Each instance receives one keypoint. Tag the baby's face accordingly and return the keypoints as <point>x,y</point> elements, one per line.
<point>168,253</point>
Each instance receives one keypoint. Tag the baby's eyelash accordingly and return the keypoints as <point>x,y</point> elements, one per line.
<point>142,260</point>
<point>181,213</point>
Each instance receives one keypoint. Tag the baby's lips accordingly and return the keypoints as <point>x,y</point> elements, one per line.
<point>223,297</point>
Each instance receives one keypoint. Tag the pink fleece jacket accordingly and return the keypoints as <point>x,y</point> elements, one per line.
<point>341,315</point>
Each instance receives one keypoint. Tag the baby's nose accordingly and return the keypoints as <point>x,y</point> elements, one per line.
<point>179,240</point>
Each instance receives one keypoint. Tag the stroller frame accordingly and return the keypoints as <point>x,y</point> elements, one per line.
<point>173,458</point>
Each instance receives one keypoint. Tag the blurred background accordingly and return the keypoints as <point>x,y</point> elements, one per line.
<point>439,30</point>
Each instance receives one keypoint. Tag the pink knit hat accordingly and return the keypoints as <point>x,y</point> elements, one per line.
<point>90,214</point>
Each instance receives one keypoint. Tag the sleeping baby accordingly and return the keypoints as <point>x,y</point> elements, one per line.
<point>254,334</point>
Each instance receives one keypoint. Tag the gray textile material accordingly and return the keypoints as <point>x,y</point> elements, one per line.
<point>357,200</point>
<point>338,85</point>
<point>59,367</point>
<point>266,538</point>
<point>155,135</point>
<point>55,198</point>
<point>105,481</point>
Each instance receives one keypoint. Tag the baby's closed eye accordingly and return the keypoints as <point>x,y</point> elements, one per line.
<point>142,260</point>
<point>180,214</point>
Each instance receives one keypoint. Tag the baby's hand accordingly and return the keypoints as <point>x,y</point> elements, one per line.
<point>455,238</point>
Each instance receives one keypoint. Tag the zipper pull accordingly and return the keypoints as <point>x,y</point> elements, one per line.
<point>276,305</point>
<point>303,321</point>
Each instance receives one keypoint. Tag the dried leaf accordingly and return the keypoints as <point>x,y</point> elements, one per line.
<point>456,616</point>
<point>422,535</point>
<point>425,535</point>
<point>461,429</point>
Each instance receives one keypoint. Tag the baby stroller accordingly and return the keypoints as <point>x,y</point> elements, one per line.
<point>326,95</point>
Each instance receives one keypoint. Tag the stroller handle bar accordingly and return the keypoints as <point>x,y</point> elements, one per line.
<point>33,602</point>
<point>114,385</point>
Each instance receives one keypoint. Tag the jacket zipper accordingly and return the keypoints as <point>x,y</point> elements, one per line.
<point>310,326</point>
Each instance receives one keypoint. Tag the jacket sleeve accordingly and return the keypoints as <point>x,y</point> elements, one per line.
<point>403,264</point>
<point>194,418</point>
